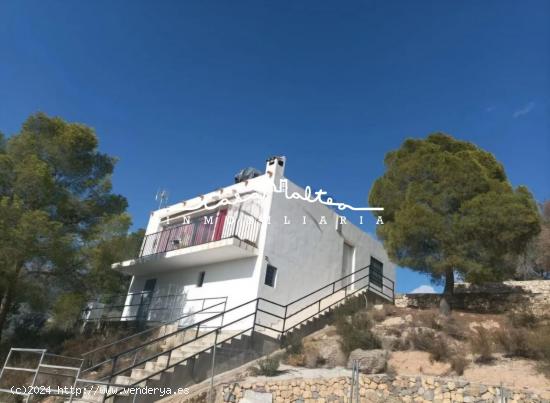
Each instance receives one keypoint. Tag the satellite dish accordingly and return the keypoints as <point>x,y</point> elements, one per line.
<point>246,173</point>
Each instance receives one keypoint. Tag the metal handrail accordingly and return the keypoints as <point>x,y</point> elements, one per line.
<point>27,392</point>
<point>199,323</point>
<point>150,306</point>
<point>149,330</point>
<point>159,326</point>
<point>256,300</point>
<point>169,351</point>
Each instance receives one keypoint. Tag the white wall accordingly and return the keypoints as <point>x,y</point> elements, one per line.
<point>234,279</point>
<point>309,256</point>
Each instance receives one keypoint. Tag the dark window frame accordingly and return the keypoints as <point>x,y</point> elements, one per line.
<point>376,272</point>
<point>270,278</point>
<point>200,280</point>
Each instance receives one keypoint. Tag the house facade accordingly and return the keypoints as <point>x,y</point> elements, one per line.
<point>245,241</point>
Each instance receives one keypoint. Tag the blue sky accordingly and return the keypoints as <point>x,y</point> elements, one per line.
<point>185,93</point>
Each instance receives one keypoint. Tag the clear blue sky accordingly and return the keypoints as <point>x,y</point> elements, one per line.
<point>186,93</point>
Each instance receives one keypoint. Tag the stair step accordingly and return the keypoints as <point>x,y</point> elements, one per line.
<point>141,373</point>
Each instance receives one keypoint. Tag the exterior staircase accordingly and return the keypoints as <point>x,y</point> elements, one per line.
<point>178,357</point>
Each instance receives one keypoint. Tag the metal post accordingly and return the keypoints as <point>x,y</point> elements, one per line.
<point>255,315</point>
<point>35,375</point>
<point>351,381</point>
<point>213,366</point>
<point>114,361</point>
<point>6,363</point>
<point>76,381</point>
<point>284,319</point>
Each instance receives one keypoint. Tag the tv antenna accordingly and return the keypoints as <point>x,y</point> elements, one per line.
<point>162,197</point>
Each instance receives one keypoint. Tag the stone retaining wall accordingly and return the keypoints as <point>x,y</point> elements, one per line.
<point>374,388</point>
<point>488,298</point>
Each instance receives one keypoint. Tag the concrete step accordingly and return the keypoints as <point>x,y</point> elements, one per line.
<point>140,373</point>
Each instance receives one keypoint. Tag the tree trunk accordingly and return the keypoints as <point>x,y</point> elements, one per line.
<point>445,304</point>
<point>7,299</point>
<point>449,282</point>
<point>5,306</point>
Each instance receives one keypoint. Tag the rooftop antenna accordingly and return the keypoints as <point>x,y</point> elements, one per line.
<point>162,198</point>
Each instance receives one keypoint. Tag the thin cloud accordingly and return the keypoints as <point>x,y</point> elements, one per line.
<point>525,110</point>
<point>423,289</point>
<point>490,109</point>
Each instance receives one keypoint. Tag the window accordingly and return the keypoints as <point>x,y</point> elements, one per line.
<point>376,272</point>
<point>200,281</point>
<point>270,275</point>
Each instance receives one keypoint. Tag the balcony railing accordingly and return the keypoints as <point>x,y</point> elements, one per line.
<point>145,306</point>
<point>222,224</point>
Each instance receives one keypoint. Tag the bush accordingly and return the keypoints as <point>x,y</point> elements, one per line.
<point>522,319</point>
<point>539,344</point>
<point>351,306</point>
<point>355,333</point>
<point>293,344</point>
<point>268,366</point>
<point>420,339</point>
<point>514,342</point>
<point>482,344</point>
<point>439,349</point>
<point>428,318</point>
<point>453,329</point>
<point>458,363</point>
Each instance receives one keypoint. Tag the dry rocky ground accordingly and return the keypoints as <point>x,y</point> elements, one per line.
<point>482,348</point>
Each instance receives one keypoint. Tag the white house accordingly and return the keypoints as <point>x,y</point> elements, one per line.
<point>245,241</point>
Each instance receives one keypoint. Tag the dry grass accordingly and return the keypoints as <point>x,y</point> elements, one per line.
<point>482,345</point>
<point>420,339</point>
<point>458,363</point>
<point>439,349</point>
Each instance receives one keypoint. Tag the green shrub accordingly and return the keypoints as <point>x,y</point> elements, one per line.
<point>351,306</point>
<point>66,310</point>
<point>293,344</point>
<point>356,333</point>
<point>268,366</point>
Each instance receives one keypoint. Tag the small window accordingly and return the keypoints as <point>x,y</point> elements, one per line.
<point>376,272</point>
<point>200,281</point>
<point>270,274</point>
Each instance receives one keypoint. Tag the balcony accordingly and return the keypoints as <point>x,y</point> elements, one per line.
<point>227,234</point>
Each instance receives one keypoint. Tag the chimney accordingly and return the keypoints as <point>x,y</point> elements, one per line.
<point>276,166</point>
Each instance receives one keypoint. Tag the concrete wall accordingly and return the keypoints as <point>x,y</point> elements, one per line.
<point>310,255</point>
<point>233,279</point>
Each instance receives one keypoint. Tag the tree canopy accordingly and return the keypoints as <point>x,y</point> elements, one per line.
<point>58,215</point>
<point>449,208</point>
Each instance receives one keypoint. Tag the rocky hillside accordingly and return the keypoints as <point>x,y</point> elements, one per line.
<point>494,349</point>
